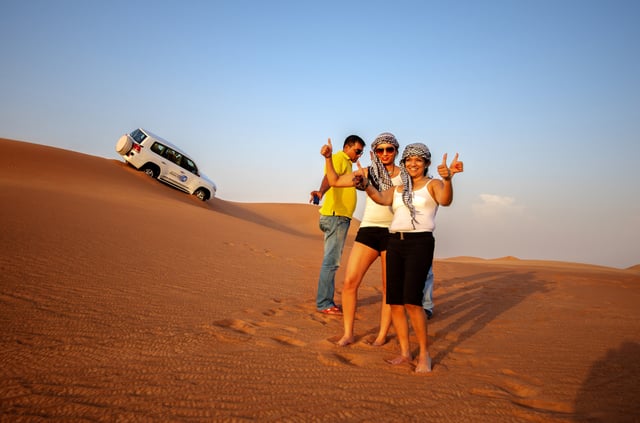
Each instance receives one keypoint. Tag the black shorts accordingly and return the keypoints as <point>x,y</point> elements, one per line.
<point>373,237</point>
<point>408,262</point>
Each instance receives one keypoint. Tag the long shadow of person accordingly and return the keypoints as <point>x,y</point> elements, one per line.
<point>231,209</point>
<point>611,391</point>
<point>473,301</point>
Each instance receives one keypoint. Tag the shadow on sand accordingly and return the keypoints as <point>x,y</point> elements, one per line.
<point>611,391</point>
<point>473,301</point>
<point>239,212</point>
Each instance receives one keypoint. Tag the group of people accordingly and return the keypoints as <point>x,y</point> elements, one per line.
<point>397,226</point>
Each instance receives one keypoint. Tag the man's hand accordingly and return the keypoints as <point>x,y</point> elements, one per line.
<point>327,149</point>
<point>315,197</point>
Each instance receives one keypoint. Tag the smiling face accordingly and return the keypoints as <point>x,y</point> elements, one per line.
<point>386,153</point>
<point>416,166</point>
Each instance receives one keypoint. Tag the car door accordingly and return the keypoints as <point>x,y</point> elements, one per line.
<point>175,174</point>
<point>191,172</point>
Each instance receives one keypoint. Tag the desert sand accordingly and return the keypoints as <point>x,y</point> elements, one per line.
<point>122,299</point>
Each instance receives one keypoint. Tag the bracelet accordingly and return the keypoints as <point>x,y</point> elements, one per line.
<point>362,184</point>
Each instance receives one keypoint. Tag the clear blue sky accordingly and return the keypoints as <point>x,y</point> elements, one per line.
<point>540,98</point>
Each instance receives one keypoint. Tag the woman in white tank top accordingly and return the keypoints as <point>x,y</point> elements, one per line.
<point>411,243</point>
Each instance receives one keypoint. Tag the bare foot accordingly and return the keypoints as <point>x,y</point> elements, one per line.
<point>375,342</point>
<point>379,342</point>
<point>399,360</point>
<point>424,367</point>
<point>345,340</point>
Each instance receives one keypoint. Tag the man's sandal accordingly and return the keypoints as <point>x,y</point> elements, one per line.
<point>333,310</point>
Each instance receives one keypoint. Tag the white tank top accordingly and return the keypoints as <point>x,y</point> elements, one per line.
<point>376,214</point>
<point>426,209</point>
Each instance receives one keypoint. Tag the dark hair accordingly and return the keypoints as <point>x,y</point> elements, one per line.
<point>353,139</point>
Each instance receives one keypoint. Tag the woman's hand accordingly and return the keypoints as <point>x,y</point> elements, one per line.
<point>447,172</point>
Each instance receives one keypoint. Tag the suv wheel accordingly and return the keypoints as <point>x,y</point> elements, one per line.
<point>201,194</point>
<point>151,171</point>
<point>124,144</point>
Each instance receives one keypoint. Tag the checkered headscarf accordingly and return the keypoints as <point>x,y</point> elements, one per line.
<point>420,150</point>
<point>378,174</point>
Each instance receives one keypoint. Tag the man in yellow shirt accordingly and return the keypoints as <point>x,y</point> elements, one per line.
<point>335,217</point>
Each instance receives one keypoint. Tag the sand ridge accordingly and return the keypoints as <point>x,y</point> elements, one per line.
<point>124,299</point>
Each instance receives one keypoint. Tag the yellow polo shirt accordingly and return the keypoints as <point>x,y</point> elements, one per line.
<point>340,201</point>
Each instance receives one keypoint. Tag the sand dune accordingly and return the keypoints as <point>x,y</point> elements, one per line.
<point>124,299</point>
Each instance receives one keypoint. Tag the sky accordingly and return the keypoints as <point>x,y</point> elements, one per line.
<point>540,98</point>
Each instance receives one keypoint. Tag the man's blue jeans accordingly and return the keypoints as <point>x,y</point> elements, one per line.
<point>427,300</point>
<point>335,230</point>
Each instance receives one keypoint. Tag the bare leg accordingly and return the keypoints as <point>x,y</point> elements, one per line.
<point>360,259</point>
<point>385,311</point>
<point>401,326</point>
<point>419,322</point>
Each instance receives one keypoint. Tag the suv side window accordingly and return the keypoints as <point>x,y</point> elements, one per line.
<point>189,165</point>
<point>173,155</point>
<point>138,136</point>
<point>158,148</point>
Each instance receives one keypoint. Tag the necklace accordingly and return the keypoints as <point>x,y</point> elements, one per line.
<point>393,170</point>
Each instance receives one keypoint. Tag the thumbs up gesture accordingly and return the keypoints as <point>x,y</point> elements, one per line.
<point>447,172</point>
<point>327,149</point>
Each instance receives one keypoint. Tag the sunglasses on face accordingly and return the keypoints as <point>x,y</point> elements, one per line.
<point>388,150</point>
<point>358,151</point>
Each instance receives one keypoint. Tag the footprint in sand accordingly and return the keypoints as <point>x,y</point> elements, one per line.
<point>517,388</point>
<point>334,360</point>
<point>237,325</point>
<point>467,356</point>
<point>286,340</point>
<point>532,380</point>
<point>544,406</point>
<point>521,391</point>
<point>270,325</point>
<point>464,350</point>
<point>320,318</point>
<point>273,312</point>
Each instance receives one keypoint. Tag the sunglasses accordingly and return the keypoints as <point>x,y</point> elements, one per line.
<point>388,150</point>
<point>358,151</point>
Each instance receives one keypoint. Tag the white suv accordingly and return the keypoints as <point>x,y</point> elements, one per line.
<point>160,159</point>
